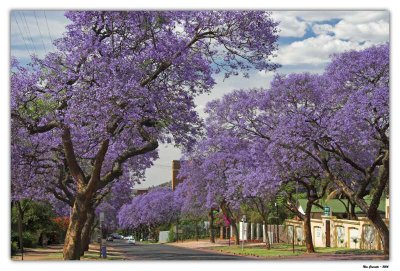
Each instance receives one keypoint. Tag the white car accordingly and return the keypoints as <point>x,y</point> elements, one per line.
<point>131,240</point>
<point>128,237</point>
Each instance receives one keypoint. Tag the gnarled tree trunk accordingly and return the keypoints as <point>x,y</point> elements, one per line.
<point>372,209</point>
<point>382,230</point>
<point>228,213</point>
<point>87,231</point>
<point>72,243</point>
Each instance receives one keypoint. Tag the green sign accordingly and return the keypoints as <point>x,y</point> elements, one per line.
<point>327,210</point>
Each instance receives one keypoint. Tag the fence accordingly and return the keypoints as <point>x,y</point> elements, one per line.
<point>250,232</point>
<point>332,232</point>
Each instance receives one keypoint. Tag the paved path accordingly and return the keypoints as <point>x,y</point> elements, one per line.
<point>141,251</point>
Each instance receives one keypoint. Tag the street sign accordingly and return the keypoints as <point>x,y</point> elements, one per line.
<point>327,211</point>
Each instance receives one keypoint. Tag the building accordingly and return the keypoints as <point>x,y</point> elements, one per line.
<point>334,229</point>
<point>140,191</point>
<point>340,208</point>
<point>176,165</point>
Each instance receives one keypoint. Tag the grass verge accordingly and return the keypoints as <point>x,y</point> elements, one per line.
<point>286,250</point>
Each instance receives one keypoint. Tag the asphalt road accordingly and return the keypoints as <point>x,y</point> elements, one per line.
<point>141,251</point>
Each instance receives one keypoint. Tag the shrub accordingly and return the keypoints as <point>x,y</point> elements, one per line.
<point>14,248</point>
<point>171,234</point>
<point>29,239</point>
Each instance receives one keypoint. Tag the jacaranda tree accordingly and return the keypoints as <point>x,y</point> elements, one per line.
<point>234,126</point>
<point>151,210</point>
<point>328,130</point>
<point>121,82</point>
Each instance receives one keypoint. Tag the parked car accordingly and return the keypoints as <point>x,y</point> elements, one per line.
<point>131,240</point>
<point>128,237</point>
<point>110,239</point>
<point>116,236</point>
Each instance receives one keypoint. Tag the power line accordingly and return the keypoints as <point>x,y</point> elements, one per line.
<point>40,32</point>
<point>48,28</point>
<point>29,32</point>
<point>22,36</point>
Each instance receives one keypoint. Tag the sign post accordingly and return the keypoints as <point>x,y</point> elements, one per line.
<point>103,249</point>
<point>243,230</point>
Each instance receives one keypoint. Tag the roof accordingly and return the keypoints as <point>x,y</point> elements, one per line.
<point>338,205</point>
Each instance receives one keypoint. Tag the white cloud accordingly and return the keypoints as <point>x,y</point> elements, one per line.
<point>290,26</point>
<point>361,16</point>
<point>355,30</point>
<point>322,28</point>
<point>353,25</point>
<point>375,31</point>
<point>315,50</point>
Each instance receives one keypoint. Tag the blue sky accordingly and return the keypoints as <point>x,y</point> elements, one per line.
<point>307,39</point>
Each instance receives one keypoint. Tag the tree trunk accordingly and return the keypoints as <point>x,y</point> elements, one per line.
<point>20,229</point>
<point>307,228</point>
<point>372,209</point>
<point>87,231</point>
<point>72,243</point>
<point>383,231</point>
<point>211,216</point>
<point>228,213</point>
<point>197,231</point>
<point>353,215</point>
<point>266,235</point>
<point>235,232</point>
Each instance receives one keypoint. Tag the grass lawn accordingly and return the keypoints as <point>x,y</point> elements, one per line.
<point>43,254</point>
<point>283,250</point>
<point>146,242</point>
<point>89,255</point>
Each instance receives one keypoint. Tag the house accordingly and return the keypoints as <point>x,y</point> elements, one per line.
<point>341,208</point>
